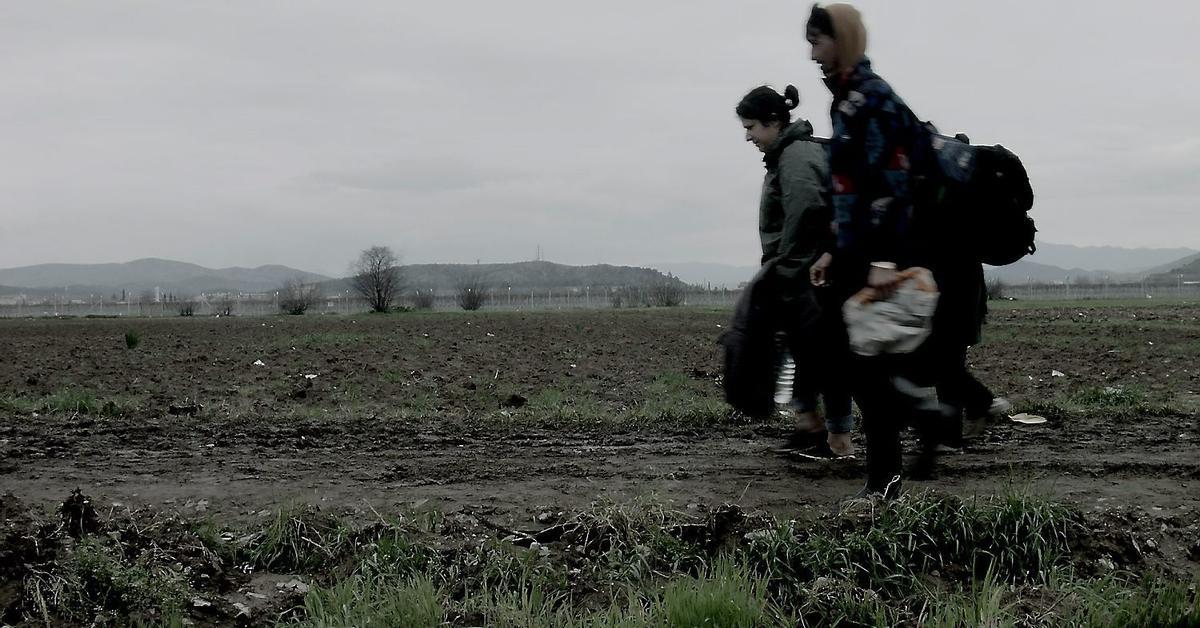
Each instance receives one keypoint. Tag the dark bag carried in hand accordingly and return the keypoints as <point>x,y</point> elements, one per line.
<point>983,191</point>
<point>751,360</point>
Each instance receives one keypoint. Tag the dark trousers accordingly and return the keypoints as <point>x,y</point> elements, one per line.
<point>885,413</point>
<point>821,350</point>
<point>943,364</point>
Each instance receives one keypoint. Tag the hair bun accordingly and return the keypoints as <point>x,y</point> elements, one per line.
<point>791,96</point>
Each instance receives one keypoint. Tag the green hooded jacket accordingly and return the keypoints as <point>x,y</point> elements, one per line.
<point>795,217</point>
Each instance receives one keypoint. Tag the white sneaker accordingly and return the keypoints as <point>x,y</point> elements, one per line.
<point>1000,407</point>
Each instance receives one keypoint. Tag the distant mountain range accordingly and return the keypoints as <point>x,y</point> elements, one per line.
<point>185,280</point>
<point>1099,264</point>
<point>1053,263</point>
<point>1108,258</point>
<point>169,276</point>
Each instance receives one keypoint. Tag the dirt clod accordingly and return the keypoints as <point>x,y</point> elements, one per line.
<point>79,516</point>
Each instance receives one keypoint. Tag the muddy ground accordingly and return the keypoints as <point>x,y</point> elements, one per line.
<point>517,414</point>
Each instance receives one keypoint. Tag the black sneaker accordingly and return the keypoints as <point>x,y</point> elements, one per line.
<point>802,441</point>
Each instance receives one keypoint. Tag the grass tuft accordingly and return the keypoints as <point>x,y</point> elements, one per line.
<point>299,539</point>
<point>373,601</point>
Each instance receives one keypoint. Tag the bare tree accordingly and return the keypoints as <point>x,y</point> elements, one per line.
<point>423,300</point>
<point>145,301</point>
<point>296,296</point>
<point>666,294</point>
<point>471,291</point>
<point>376,277</point>
<point>995,289</point>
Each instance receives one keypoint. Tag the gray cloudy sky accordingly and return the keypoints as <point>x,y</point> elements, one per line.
<point>300,132</point>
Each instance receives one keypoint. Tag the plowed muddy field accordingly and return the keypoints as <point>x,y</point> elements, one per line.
<point>521,412</point>
<point>211,471</point>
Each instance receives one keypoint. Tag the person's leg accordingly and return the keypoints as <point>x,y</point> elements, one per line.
<point>952,391</point>
<point>924,376</point>
<point>802,341</point>
<point>882,421</point>
<point>979,404</point>
<point>835,387</point>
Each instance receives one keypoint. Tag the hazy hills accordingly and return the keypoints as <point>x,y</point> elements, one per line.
<point>184,279</point>
<point>1053,263</point>
<point>170,276</point>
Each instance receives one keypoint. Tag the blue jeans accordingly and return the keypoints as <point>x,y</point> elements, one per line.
<point>822,357</point>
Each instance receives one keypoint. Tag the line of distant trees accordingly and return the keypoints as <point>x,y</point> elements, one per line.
<point>378,279</point>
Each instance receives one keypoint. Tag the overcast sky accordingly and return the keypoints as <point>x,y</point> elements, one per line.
<point>298,132</point>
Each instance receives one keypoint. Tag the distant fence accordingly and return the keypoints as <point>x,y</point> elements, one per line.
<point>541,299</point>
<point>1098,291</point>
<point>538,299</point>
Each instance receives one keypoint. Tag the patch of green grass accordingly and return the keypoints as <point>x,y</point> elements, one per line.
<point>214,539</point>
<point>83,401</point>
<point>133,338</point>
<point>548,400</point>
<point>726,596</point>
<point>373,601</point>
<point>392,551</point>
<point>95,581</point>
<point>421,404</point>
<point>71,400</point>
<point>824,600</point>
<point>526,607</point>
<point>1114,402</point>
<point>554,405</point>
<point>298,539</point>
<point>673,398</point>
<point>1017,537</point>
<point>1118,402</point>
<point>1151,601</point>
<point>982,604</point>
<point>11,404</point>
<point>501,567</point>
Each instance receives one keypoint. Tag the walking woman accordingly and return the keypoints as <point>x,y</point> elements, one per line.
<point>794,228</point>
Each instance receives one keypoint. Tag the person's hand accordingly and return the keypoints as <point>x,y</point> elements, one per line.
<point>818,273</point>
<point>883,278</point>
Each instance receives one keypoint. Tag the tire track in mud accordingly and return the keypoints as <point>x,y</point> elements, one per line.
<point>521,474</point>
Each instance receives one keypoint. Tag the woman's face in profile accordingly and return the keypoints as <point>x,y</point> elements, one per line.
<point>761,135</point>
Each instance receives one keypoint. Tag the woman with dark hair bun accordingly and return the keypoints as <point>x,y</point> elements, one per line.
<point>794,227</point>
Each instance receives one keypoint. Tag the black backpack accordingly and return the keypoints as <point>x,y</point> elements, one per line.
<point>982,192</point>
